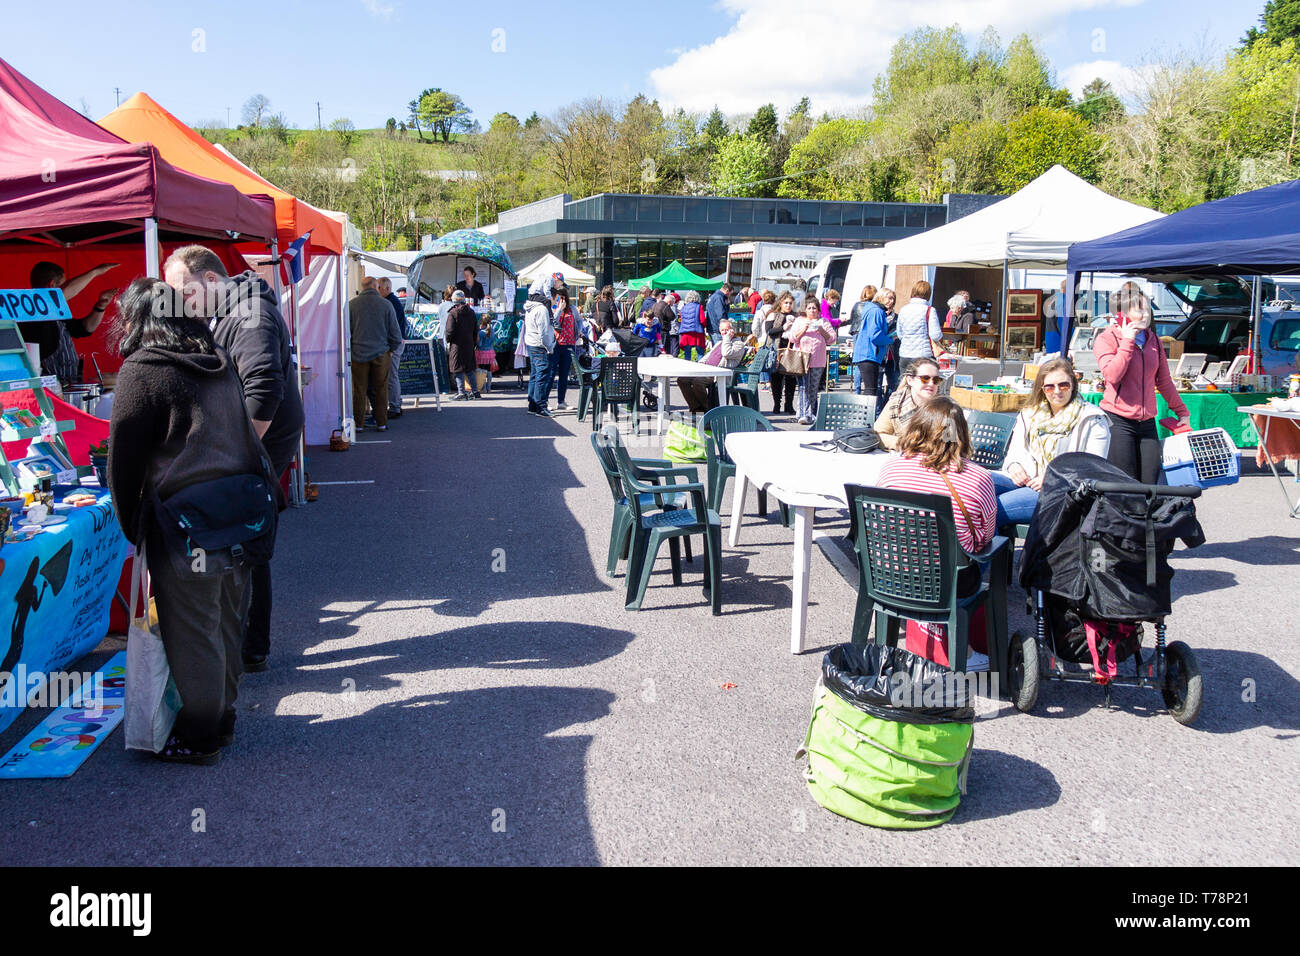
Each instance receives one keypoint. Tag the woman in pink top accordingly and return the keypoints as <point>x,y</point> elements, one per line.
<point>1133,365</point>
<point>935,448</point>
<point>811,334</point>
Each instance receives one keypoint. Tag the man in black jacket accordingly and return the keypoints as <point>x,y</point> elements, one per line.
<point>245,320</point>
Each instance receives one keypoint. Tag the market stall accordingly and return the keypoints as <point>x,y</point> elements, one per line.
<point>549,265</point>
<point>1032,228</point>
<point>676,277</point>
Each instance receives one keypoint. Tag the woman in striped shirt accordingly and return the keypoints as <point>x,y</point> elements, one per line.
<point>934,451</point>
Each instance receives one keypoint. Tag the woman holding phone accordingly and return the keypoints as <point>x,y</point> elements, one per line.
<point>1133,365</point>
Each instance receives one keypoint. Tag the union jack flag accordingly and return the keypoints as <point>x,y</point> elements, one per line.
<point>295,262</point>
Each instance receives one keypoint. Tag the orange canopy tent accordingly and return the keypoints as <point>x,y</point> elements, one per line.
<point>141,120</point>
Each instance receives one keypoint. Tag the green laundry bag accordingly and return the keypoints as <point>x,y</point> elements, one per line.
<point>684,443</point>
<point>875,753</point>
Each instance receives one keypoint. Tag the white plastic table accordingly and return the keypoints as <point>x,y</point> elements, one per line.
<point>1268,413</point>
<point>805,480</point>
<point>665,368</point>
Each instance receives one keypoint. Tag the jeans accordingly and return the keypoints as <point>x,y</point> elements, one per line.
<point>467,382</point>
<point>1016,503</point>
<point>891,382</point>
<point>539,375</point>
<point>809,386</point>
<point>1135,448</point>
<point>563,361</point>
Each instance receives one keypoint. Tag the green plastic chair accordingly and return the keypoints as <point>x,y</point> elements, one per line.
<point>990,434</point>
<point>908,564</point>
<point>715,426</point>
<point>588,382</point>
<point>649,530</point>
<point>845,411</point>
<point>619,385</point>
<point>744,390</point>
<point>650,470</point>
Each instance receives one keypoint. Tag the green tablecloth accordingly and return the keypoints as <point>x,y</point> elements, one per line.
<point>1210,410</point>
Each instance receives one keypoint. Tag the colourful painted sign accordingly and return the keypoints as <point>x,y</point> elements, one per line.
<point>33,305</point>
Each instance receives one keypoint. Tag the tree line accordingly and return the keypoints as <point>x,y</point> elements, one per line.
<point>945,117</point>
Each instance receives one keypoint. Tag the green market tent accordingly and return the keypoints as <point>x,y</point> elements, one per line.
<point>676,276</point>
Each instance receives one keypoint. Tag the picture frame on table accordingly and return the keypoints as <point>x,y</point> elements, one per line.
<point>1024,304</point>
<point>1022,338</point>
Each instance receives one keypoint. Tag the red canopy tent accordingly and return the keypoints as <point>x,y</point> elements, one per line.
<point>76,194</point>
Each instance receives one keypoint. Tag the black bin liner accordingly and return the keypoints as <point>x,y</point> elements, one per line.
<point>871,678</point>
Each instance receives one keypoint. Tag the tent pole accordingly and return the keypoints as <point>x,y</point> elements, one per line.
<point>1256,356</point>
<point>345,350</point>
<point>298,486</point>
<point>1002,339</point>
<point>151,265</point>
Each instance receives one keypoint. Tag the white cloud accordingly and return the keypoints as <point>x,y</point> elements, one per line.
<point>378,9</point>
<point>830,50</point>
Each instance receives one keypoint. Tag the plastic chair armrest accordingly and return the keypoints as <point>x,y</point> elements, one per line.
<point>988,552</point>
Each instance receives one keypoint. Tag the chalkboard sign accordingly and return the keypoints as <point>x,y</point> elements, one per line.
<point>416,370</point>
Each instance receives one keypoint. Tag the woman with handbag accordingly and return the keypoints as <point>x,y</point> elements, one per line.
<point>919,330</point>
<point>780,320</point>
<point>810,336</point>
<point>179,425</point>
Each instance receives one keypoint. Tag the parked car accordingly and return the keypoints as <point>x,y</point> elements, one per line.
<point>1219,322</point>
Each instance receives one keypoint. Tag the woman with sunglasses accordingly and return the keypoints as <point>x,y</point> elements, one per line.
<point>920,386</point>
<point>1055,421</point>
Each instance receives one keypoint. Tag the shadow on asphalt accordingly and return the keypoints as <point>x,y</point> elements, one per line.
<point>1273,549</point>
<point>1197,581</point>
<point>1001,784</point>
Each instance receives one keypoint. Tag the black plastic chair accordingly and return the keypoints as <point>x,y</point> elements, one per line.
<point>908,564</point>
<point>619,385</point>
<point>845,411</point>
<point>649,530</point>
<point>650,470</point>
<point>990,434</point>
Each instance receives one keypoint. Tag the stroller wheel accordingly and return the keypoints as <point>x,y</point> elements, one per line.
<point>1022,671</point>
<point>1182,688</point>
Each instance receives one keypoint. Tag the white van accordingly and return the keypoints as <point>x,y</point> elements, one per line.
<point>847,272</point>
<point>772,265</point>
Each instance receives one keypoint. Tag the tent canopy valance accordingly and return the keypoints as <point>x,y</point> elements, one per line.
<point>1033,228</point>
<point>1254,233</point>
<point>141,120</point>
<point>676,276</point>
<point>471,244</point>
<point>65,180</point>
<point>550,264</point>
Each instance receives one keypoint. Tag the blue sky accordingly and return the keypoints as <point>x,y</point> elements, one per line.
<point>365,59</point>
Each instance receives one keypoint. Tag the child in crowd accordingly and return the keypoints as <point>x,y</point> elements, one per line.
<point>648,328</point>
<point>485,356</point>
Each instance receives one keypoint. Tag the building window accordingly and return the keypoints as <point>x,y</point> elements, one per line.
<point>831,214</point>
<point>648,209</point>
<point>719,211</point>
<point>742,211</point>
<point>647,257</point>
<point>807,213</point>
<point>697,210</point>
<point>785,215</point>
<point>624,208</point>
<point>624,259</point>
<point>764,212</point>
<point>697,255</point>
<point>916,216</point>
<point>671,249</point>
<point>936,216</point>
<point>717,261</point>
<point>873,214</point>
<point>894,215</point>
<point>672,209</point>
<point>851,214</point>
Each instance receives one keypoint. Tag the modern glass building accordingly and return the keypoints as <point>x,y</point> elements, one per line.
<point>617,237</point>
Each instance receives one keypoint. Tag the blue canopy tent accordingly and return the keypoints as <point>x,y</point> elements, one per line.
<point>1254,233</point>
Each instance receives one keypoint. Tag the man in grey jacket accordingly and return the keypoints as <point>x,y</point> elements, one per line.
<point>394,383</point>
<point>375,334</point>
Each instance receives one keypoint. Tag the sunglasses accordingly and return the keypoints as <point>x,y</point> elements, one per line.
<point>928,379</point>
<point>1057,385</point>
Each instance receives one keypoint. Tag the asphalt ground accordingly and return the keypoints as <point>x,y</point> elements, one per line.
<point>454,680</point>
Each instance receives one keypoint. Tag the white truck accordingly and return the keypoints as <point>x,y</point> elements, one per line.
<point>773,265</point>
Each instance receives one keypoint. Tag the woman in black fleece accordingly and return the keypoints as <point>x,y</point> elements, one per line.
<point>179,419</point>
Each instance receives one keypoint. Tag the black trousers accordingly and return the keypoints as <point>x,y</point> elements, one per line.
<point>257,632</point>
<point>870,374</point>
<point>1135,448</point>
<point>783,384</point>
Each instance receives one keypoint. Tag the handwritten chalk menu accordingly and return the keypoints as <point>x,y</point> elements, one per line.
<point>33,305</point>
<point>415,370</point>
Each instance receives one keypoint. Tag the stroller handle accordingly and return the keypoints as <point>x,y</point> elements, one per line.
<point>1133,488</point>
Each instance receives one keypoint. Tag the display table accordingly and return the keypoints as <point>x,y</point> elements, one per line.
<point>1209,410</point>
<point>1279,441</point>
<point>60,585</point>
<point>665,368</point>
<point>805,480</point>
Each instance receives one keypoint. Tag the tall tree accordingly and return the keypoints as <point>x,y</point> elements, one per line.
<point>1099,104</point>
<point>255,110</point>
<point>639,141</point>
<point>715,127</point>
<point>826,164</point>
<point>579,142</point>
<point>1040,139</point>
<point>1279,21</point>
<point>443,113</point>
<point>739,164</point>
<point>764,125</point>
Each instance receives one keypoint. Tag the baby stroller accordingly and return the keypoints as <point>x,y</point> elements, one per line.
<point>632,345</point>
<point>1095,566</point>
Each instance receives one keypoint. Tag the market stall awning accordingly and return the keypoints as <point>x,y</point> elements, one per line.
<point>64,180</point>
<point>676,276</point>
<point>470,243</point>
<point>1254,233</point>
<point>141,120</point>
<point>550,264</point>
<point>1032,228</point>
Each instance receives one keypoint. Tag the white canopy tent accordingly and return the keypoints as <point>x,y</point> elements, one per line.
<point>1032,228</point>
<point>549,264</point>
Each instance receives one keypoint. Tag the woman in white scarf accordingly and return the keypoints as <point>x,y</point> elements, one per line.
<point>1055,421</point>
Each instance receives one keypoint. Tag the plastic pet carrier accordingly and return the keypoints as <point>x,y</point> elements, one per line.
<point>1204,458</point>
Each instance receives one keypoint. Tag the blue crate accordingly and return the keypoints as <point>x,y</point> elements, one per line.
<point>1205,458</point>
